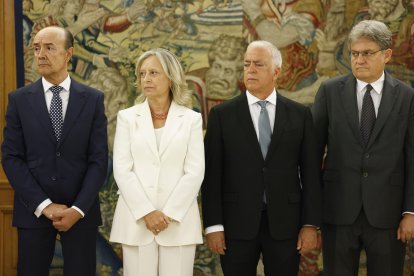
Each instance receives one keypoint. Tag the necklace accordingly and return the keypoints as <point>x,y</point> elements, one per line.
<point>159,116</point>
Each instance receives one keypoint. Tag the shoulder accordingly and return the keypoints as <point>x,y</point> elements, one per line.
<point>403,86</point>
<point>77,86</point>
<point>34,87</point>
<point>128,112</point>
<point>291,105</point>
<point>189,114</point>
<point>337,81</point>
<point>230,104</point>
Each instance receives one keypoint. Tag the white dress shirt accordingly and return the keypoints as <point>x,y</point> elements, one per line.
<point>64,95</point>
<point>254,109</point>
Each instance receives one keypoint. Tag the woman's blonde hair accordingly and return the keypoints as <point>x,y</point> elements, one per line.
<point>174,71</point>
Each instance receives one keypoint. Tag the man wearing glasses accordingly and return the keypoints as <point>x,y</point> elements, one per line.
<point>365,121</point>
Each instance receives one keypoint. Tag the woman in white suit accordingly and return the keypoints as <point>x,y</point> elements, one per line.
<point>158,167</point>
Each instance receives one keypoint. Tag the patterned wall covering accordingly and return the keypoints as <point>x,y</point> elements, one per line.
<point>209,37</point>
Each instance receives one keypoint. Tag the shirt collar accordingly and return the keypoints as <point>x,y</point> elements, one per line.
<point>65,84</point>
<point>252,99</point>
<point>377,85</point>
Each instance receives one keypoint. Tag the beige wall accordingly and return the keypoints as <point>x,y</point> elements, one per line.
<point>8,235</point>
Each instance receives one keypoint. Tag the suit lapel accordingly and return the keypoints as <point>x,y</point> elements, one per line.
<point>172,126</point>
<point>77,100</point>
<point>145,126</point>
<point>281,118</point>
<point>389,95</point>
<point>350,104</point>
<point>36,98</point>
<point>247,123</point>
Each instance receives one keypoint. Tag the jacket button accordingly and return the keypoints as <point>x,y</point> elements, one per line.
<point>365,174</point>
<point>367,155</point>
<point>54,178</point>
<point>58,154</point>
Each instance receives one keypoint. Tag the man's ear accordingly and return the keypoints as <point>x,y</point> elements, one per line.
<point>277,71</point>
<point>69,53</point>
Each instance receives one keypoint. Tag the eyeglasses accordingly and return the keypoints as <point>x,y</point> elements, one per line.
<point>364,54</point>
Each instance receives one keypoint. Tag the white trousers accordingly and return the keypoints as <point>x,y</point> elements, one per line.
<point>156,260</point>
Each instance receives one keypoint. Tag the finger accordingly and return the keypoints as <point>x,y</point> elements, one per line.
<point>399,233</point>
<point>221,251</point>
<point>299,244</point>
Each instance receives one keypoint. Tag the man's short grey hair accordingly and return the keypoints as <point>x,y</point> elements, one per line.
<point>373,30</point>
<point>273,50</point>
<point>174,71</point>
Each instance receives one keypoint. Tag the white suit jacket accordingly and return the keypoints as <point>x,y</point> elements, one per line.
<point>166,179</point>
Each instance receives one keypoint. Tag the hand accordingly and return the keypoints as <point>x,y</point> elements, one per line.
<point>216,242</point>
<point>67,218</point>
<point>307,239</point>
<point>405,231</point>
<point>156,221</point>
<point>51,210</point>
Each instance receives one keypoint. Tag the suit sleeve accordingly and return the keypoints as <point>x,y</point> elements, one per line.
<point>321,121</point>
<point>310,176</point>
<point>14,161</point>
<point>128,183</point>
<point>211,189</point>
<point>97,159</point>
<point>409,162</point>
<point>186,190</point>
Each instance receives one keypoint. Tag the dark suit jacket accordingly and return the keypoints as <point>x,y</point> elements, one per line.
<point>236,174</point>
<point>380,177</point>
<point>70,172</point>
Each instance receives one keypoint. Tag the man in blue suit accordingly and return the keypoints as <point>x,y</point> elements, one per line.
<point>55,156</point>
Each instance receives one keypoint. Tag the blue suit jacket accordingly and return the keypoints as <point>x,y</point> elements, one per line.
<point>70,172</point>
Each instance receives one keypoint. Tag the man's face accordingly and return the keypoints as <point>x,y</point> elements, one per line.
<point>368,68</point>
<point>222,79</point>
<point>50,54</point>
<point>259,74</point>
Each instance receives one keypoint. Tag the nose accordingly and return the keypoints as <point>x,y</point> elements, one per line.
<point>360,58</point>
<point>250,68</point>
<point>146,77</point>
<point>40,52</point>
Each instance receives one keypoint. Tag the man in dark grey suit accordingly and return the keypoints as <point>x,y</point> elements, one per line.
<point>55,156</point>
<point>261,190</point>
<point>365,120</point>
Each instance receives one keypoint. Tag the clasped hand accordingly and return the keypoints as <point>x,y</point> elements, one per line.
<point>157,221</point>
<point>62,217</point>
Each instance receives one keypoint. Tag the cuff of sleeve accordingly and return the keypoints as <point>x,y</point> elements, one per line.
<point>79,210</point>
<point>41,207</point>
<point>310,225</point>
<point>214,228</point>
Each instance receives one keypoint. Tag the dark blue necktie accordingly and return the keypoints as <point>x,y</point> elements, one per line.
<point>56,111</point>
<point>368,117</point>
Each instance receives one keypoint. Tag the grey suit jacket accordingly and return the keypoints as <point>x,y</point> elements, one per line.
<point>380,177</point>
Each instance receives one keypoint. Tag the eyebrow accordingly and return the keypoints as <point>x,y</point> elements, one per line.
<point>47,44</point>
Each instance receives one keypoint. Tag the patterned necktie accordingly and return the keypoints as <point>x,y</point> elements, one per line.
<point>265,132</point>
<point>56,112</point>
<point>367,115</point>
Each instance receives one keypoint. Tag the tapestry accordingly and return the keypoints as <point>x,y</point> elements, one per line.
<point>209,37</point>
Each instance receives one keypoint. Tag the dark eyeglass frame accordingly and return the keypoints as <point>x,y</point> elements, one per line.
<point>364,54</point>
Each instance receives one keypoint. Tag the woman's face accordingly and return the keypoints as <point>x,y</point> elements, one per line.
<point>154,81</point>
